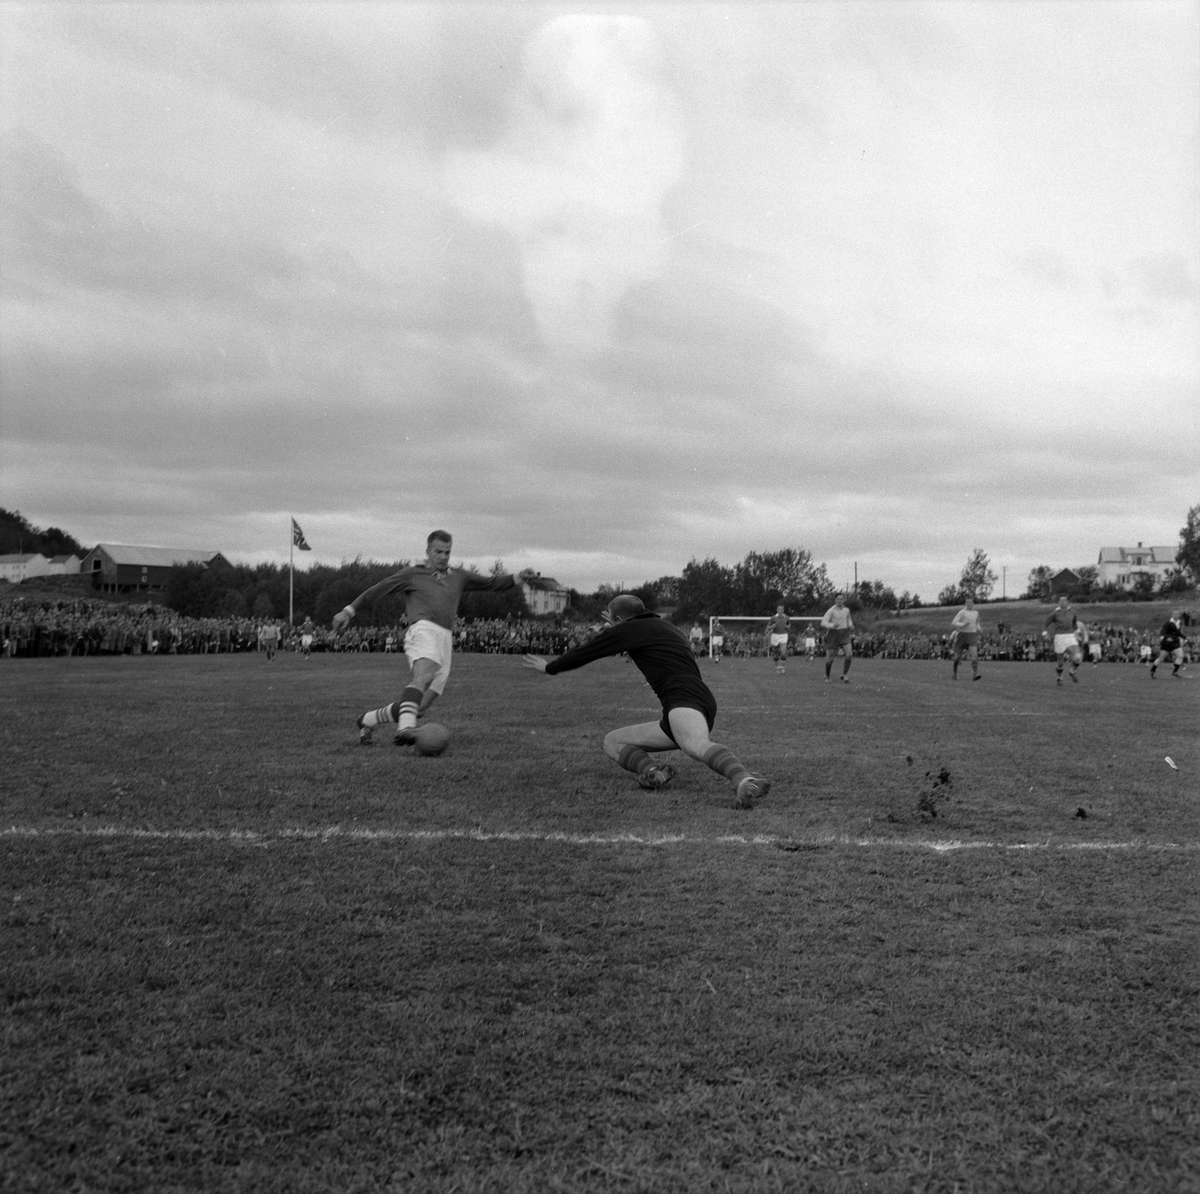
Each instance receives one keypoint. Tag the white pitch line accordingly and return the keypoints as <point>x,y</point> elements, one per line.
<point>340,833</point>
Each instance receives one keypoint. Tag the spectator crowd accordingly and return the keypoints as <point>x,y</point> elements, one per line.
<point>82,627</point>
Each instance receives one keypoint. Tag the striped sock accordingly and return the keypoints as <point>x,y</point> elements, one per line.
<point>382,716</point>
<point>408,705</point>
<point>722,760</point>
<point>634,759</point>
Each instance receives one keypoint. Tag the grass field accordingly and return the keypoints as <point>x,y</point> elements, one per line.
<point>954,949</point>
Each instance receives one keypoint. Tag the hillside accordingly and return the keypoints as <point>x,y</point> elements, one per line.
<point>1027,617</point>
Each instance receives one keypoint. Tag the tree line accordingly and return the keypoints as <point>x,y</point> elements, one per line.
<point>755,586</point>
<point>19,537</point>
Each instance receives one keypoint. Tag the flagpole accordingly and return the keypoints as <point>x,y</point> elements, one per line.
<point>291,577</point>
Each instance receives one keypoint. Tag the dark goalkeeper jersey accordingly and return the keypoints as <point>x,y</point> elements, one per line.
<point>1171,636</point>
<point>432,596</point>
<point>661,653</point>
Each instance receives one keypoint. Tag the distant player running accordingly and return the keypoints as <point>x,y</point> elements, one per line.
<point>1170,645</point>
<point>431,592</point>
<point>965,629</point>
<point>268,639</point>
<point>839,636</point>
<point>777,636</point>
<point>1061,624</point>
<point>662,655</point>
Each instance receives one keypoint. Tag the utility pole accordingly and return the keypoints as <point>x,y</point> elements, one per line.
<point>1004,584</point>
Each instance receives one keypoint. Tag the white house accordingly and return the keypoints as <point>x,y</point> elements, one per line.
<point>16,568</point>
<point>544,595</point>
<point>1122,565</point>
<point>21,566</point>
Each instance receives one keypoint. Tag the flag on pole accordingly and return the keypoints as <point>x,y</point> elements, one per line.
<point>298,537</point>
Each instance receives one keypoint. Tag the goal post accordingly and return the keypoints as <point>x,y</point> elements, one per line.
<point>748,622</point>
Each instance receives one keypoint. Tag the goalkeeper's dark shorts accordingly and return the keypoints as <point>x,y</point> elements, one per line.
<point>688,696</point>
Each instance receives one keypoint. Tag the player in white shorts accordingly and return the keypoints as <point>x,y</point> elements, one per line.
<point>716,641</point>
<point>1062,624</point>
<point>431,591</point>
<point>810,643</point>
<point>777,632</point>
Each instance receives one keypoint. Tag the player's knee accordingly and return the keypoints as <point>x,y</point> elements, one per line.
<point>613,743</point>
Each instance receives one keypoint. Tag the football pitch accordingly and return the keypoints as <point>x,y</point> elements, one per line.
<point>953,950</point>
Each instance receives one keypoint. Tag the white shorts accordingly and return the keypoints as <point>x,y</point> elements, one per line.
<point>306,641</point>
<point>717,640</point>
<point>1065,644</point>
<point>779,640</point>
<point>428,640</point>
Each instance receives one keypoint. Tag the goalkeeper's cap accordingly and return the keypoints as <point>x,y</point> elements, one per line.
<point>625,605</point>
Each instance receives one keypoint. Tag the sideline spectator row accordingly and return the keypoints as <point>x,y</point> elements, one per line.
<point>65,628</point>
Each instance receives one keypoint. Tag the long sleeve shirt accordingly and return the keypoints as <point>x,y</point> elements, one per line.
<point>433,596</point>
<point>658,649</point>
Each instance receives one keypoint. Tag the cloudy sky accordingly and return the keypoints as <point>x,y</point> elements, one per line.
<point>605,289</point>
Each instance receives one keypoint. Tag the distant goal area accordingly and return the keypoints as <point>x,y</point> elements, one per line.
<point>741,626</point>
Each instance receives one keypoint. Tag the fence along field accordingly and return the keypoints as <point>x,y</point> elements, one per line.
<point>243,953</point>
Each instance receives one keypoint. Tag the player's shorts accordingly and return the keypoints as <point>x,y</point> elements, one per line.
<point>835,639</point>
<point>810,645</point>
<point>707,706</point>
<point>1094,650</point>
<point>428,640</point>
<point>306,641</point>
<point>966,638</point>
<point>1065,644</point>
<point>717,640</point>
<point>779,640</point>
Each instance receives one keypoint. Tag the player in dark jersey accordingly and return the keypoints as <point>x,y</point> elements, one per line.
<point>663,656</point>
<point>777,637</point>
<point>431,591</point>
<point>1170,645</point>
<point>1062,623</point>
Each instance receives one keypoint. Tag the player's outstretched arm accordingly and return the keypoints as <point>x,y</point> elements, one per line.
<point>537,662</point>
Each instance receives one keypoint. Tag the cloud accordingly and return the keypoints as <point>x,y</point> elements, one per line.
<point>578,180</point>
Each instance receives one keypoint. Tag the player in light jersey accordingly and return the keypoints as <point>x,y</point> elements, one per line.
<point>431,592</point>
<point>696,639</point>
<point>965,630</point>
<point>777,638</point>
<point>268,639</point>
<point>1061,624</point>
<point>839,636</point>
<point>662,655</point>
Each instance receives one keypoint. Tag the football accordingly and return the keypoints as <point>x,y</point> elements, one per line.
<point>432,739</point>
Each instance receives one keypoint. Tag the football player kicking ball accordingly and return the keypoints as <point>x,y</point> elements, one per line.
<point>1062,623</point>
<point>663,656</point>
<point>431,591</point>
